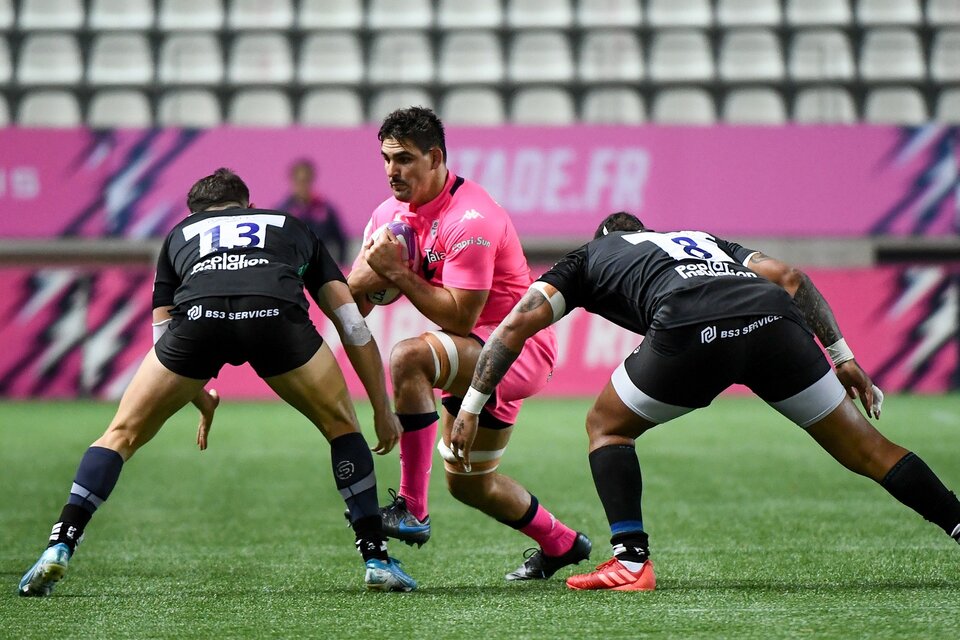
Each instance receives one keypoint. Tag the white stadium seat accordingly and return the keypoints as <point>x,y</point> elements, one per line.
<point>191,15</point>
<point>390,100</point>
<point>120,59</point>
<point>49,59</point>
<point>541,56</point>
<point>824,105</point>
<point>260,14</point>
<point>945,59</point>
<point>821,55</point>
<point>400,14</point>
<point>610,56</point>
<point>6,62</point>
<point>330,58</point>
<point>613,106</point>
<point>330,14</point>
<point>684,107</point>
<point>51,14</point>
<point>194,108</point>
<point>943,12</point>
<point>6,15</point>
<point>818,12</point>
<point>749,13</point>
<point>895,105</point>
<point>754,106</point>
<point>4,112</point>
<point>108,15</point>
<point>473,107</point>
<point>542,107</point>
<point>481,14</point>
<point>55,109</point>
<point>679,13</point>
<point>331,108</point>
<point>891,54</point>
<point>681,56</point>
<point>948,106</point>
<point>262,58</point>
<point>752,54</point>
<point>260,108</point>
<point>471,57</point>
<point>886,12</point>
<point>119,109</point>
<point>191,59</point>
<point>401,58</point>
<point>609,13</point>
<point>525,14</point>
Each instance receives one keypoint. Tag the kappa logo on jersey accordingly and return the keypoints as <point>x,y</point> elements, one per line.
<point>194,312</point>
<point>227,262</point>
<point>472,214</point>
<point>708,335</point>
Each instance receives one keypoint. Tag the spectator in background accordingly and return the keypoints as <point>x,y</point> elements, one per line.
<point>318,213</point>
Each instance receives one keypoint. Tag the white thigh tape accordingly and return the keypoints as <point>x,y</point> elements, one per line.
<point>160,328</point>
<point>452,356</point>
<point>556,300</point>
<point>475,456</point>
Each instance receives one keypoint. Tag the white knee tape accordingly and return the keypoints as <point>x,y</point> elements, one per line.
<point>475,456</point>
<point>452,356</point>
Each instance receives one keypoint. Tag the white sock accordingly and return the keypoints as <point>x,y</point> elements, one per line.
<point>632,567</point>
<point>956,532</point>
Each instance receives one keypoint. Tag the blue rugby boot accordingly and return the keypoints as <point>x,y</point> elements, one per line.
<point>40,579</point>
<point>400,524</point>
<point>387,576</point>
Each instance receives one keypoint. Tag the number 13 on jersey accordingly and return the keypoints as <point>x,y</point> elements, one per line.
<point>232,232</point>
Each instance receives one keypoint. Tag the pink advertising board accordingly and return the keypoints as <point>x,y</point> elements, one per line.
<point>733,181</point>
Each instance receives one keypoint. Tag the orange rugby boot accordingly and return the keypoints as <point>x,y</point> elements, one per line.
<point>614,576</point>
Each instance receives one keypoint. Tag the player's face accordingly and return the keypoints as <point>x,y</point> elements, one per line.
<point>410,171</point>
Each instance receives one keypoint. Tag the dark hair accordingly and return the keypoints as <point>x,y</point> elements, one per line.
<point>619,221</point>
<point>418,125</point>
<point>221,186</point>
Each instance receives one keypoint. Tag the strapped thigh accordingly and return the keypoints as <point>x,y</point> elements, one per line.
<point>446,359</point>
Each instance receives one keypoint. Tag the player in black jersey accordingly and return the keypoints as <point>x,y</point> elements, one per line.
<point>229,289</point>
<point>713,314</point>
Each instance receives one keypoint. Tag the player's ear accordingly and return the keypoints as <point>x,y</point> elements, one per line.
<point>436,158</point>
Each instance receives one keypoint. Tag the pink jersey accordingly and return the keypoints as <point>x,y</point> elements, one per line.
<point>467,241</point>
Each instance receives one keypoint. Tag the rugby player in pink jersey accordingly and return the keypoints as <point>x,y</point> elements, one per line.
<point>472,272</point>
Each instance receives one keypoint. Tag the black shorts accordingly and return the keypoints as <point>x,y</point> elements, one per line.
<point>274,336</point>
<point>674,371</point>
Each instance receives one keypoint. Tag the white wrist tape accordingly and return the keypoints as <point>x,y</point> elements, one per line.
<point>356,333</point>
<point>160,328</point>
<point>474,400</point>
<point>839,352</point>
<point>556,300</point>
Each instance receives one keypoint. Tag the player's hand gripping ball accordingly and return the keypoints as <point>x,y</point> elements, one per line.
<point>409,254</point>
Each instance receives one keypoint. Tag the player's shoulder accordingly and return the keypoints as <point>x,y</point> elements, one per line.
<point>471,206</point>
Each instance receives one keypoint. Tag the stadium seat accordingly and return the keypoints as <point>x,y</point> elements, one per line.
<point>754,106</point>
<point>610,56</point>
<point>470,57</point>
<point>943,12</point>
<point>260,14</point>
<point>945,59</point>
<point>119,109</point>
<point>401,57</point>
<point>262,58</point>
<point>331,108</point>
<point>891,54</point>
<point>542,106</point>
<point>473,107</point>
<point>681,56</point>
<point>260,108</point>
<point>481,14</point>
<point>191,15</point>
<point>193,108</point>
<point>613,106</point>
<point>6,15</point>
<point>390,100</point>
<point>525,14</point>
<point>684,106</point>
<point>749,13</point>
<point>752,54</point>
<point>328,58</point>
<point>51,14</point>
<point>948,106</point>
<point>4,112</point>
<point>54,109</point>
<point>400,14</point>
<point>540,56</point>
<point>821,55</point>
<point>895,105</point>
<point>609,13</point>
<point>887,12</point>
<point>49,59</point>
<point>110,15</point>
<point>679,13</point>
<point>191,59</point>
<point>330,14</point>
<point>818,12</point>
<point>120,59</point>
<point>6,62</point>
<point>824,105</point>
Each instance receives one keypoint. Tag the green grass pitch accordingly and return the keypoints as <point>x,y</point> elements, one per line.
<point>755,532</point>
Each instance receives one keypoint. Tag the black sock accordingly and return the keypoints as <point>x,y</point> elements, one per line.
<point>371,543</point>
<point>616,474</point>
<point>416,421</point>
<point>353,472</point>
<point>95,479</point>
<point>527,517</point>
<point>913,483</point>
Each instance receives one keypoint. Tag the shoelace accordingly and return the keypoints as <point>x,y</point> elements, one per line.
<point>529,553</point>
<point>609,563</point>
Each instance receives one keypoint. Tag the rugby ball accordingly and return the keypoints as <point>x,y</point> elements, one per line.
<point>409,253</point>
